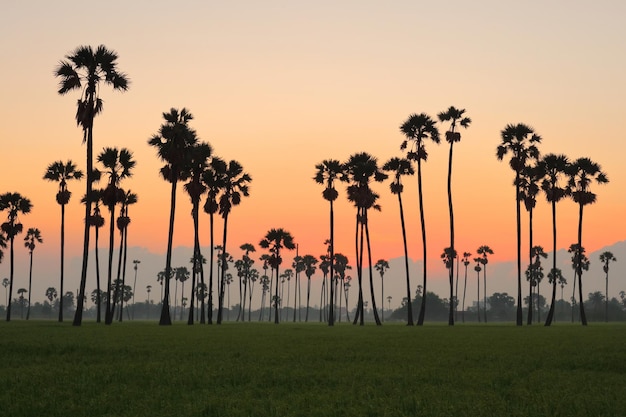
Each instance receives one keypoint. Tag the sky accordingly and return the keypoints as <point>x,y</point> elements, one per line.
<point>282,85</point>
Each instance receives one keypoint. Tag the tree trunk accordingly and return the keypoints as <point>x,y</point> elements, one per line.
<point>583,317</point>
<point>420,320</point>
<point>451,210</point>
<point>519,315</point>
<point>30,284</point>
<point>108,319</point>
<point>166,319</point>
<point>553,300</point>
<point>369,259</point>
<point>63,268</point>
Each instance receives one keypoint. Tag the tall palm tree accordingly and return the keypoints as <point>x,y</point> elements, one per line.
<point>417,129</point>
<point>361,169</point>
<point>199,158</point>
<point>275,240</point>
<point>466,262</point>
<point>83,70</point>
<point>118,165</point>
<point>172,142</point>
<point>382,266</point>
<point>581,173</point>
<point>33,236</point>
<point>478,268</point>
<point>606,258</point>
<point>399,167</point>
<point>310,263</point>
<point>454,116</point>
<point>329,171</point>
<point>554,167</point>
<point>235,186</point>
<point>521,141</point>
<point>15,204</point>
<point>62,173</point>
<point>484,250</point>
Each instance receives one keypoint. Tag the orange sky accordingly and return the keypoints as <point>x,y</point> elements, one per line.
<point>280,86</point>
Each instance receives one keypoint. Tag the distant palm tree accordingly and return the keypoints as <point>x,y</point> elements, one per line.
<point>51,294</point>
<point>454,116</point>
<point>298,266</point>
<point>83,70</point>
<point>181,274</point>
<point>309,262</point>
<point>534,276</point>
<point>382,266</point>
<point>173,142</point>
<point>33,236</point>
<point>466,262</point>
<point>22,301</point>
<point>417,128</point>
<point>556,276</point>
<point>15,204</point>
<point>521,141</point>
<point>554,168</point>
<point>341,265</point>
<point>606,258</point>
<point>484,251</point>
<point>400,167</point>
<point>579,262</point>
<point>581,173</point>
<point>275,240</point>
<point>478,268</point>
<point>448,256</point>
<point>129,198</point>
<point>5,281</point>
<point>62,173</point>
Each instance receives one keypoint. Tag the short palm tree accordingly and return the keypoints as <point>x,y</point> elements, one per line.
<point>382,266</point>
<point>62,173</point>
<point>478,268</point>
<point>581,173</point>
<point>606,258</point>
<point>275,240</point>
<point>33,236</point>
<point>15,204</point>
<point>172,142</point>
<point>84,69</point>
<point>534,276</point>
<point>485,251</point>
<point>521,141</point>
<point>128,199</point>
<point>399,167</point>
<point>466,262</point>
<point>96,221</point>
<point>417,129</point>
<point>310,263</point>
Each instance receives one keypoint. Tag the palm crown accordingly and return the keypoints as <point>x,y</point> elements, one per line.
<point>417,128</point>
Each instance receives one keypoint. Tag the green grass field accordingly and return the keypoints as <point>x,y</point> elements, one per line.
<point>252,369</point>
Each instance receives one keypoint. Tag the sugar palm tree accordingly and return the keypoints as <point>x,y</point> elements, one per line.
<point>298,267</point>
<point>399,167</point>
<point>382,266</point>
<point>329,171</point>
<point>172,142</point>
<point>466,262</point>
<point>33,236</point>
<point>128,199</point>
<point>534,276</point>
<point>456,117</point>
<point>448,256</point>
<point>478,268</point>
<point>62,173</point>
<point>581,173</point>
<point>341,265</point>
<point>310,263</point>
<point>606,258</point>
<point>181,274</point>
<point>361,169</point>
<point>275,240</point>
<point>579,262</point>
<point>118,165</point>
<point>521,141</point>
<point>51,294</point>
<point>96,221</point>
<point>235,186</point>
<point>417,129</point>
<point>554,167</point>
<point>84,69</point>
<point>15,204</point>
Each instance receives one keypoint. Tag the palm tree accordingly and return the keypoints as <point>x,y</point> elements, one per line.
<point>448,256</point>
<point>62,173</point>
<point>400,167</point>
<point>466,262</point>
<point>329,171</point>
<point>181,274</point>
<point>136,263</point>
<point>51,294</point>
<point>341,265</point>
<point>581,174</point>
<point>173,142</point>
<point>521,141</point>
<point>97,221</point>
<point>417,128</point>
<point>556,276</point>
<point>198,163</point>
<point>15,204</point>
<point>484,251</point>
<point>298,266</point>
<point>606,258</point>
<point>5,281</point>
<point>275,240</point>
<point>21,301</point>
<point>361,168</point>
<point>235,185</point>
<point>478,268</point>
<point>454,116</point>
<point>310,263</point>
<point>118,165</point>
<point>128,199</point>
<point>579,262</point>
<point>554,168</point>
<point>83,70</point>
<point>382,266</point>
<point>33,236</point>
<point>534,276</point>
<point>148,290</point>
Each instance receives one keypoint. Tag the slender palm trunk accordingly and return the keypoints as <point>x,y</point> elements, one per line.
<point>532,268</point>
<point>553,302</point>
<point>308,295</point>
<point>10,280</point>
<point>464,289</point>
<point>478,298</point>
<point>197,259</point>
<point>63,266</point>
<point>420,319</point>
<point>485,292</point>
<point>118,291</point>
<point>331,312</point>
<point>210,306</point>
<point>276,320</point>
<point>406,263</point>
<point>606,296</point>
<point>124,263</point>
<point>30,284</point>
<point>369,260</point>
<point>451,272</point>
<point>220,309</point>
<point>359,261</point>
<point>108,317</point>
<point>583,317</point>
<point>456,290</point>
<point>382,297</point>
<point>99,294</point>
<point>166,319</point>
<point>519,315</point>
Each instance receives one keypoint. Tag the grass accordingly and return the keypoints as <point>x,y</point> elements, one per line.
<point>260,369</point>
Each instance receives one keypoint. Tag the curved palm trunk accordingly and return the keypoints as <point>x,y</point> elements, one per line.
<point>10,281</point>
<point>369,260</point>
<point>519,315</point>
<point>118,291</point>
<point>220,308</point>
<point>420,319</point>
<point>98,296</point>
<point>406,263</point>
<point>166,319</point>
<point>358,317</point>
<point>30,282</point>
<point>583,317</point>
<point>553,302</point>
<point>450,208</point>
<point>63,266</point>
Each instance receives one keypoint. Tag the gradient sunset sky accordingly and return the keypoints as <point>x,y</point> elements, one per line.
<point>282,85</point>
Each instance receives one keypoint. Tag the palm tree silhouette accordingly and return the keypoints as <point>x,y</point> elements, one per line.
<point>606,258</point>
<point>310,263</point>
<point>173,142</point>
<point>466,262</point>
<point>51,294</point>
<point>33,236</point>
<point>128,199</point>
<point>341,265</point>
<point>298,266</point>
<point>581,173</point>
<point>478,268</point>
<point>417,128</point>
<point>84,69</point>
<point>382,266</point>
<point>15,204</point>
<point>448,256</point>
<point>275,240</point>
<point>399,167</point>
<point>534,274</point>
<point>96,221</point>
<point>554,167</point>
<point>484,250</point>
<point>62,173</point>
<point>454,116</point>
<point>555,276</point>
<point>521,141</point>
<point>329,171</point>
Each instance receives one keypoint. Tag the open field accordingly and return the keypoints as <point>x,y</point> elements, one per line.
<point>260,369</point>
